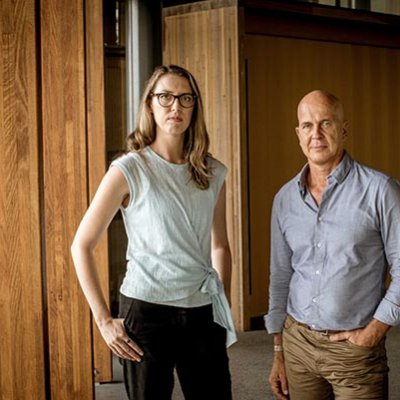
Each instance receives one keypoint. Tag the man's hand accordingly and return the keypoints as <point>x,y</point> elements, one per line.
<point>277,377</point>
<point>369,336</point>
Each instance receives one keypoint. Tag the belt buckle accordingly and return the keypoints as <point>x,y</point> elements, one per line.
<point>325,332</point>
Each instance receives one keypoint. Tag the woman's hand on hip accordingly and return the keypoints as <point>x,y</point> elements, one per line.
<point>114,334</point>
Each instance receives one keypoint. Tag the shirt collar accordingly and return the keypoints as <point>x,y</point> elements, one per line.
<point>302,180</point>
<point>338,174</point>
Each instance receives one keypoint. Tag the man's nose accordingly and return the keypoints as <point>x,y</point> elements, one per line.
<point>316,132</point>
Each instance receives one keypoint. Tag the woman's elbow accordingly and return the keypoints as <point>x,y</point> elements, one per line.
<point>75,249</point>
<point>79,247</point>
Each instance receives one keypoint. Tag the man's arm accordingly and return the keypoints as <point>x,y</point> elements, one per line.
<point>388,311</point>
<point>280,275</point>
<point>277,377</point>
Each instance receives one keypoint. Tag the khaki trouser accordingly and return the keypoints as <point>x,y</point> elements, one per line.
<point>318,369</point>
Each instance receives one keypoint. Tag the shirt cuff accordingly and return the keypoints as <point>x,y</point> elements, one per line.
<point>388,313</point>
<point>274,323</point>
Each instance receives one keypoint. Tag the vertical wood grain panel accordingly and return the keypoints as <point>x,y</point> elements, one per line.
<point>374,108</point>
<point>207,44</point>
<point>115,104</point>
<point>65,195</point>
<point>386,6</point>
<point>281,71</point>
<point>21,331</point>
<point>97,159</point>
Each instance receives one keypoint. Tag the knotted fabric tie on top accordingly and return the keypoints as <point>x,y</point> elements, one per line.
<point>221,310</point>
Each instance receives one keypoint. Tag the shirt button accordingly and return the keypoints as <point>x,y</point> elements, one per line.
<point>314,300</point>
<point>317,272</point>
<point>318,245</point>
<point>319,219</point>
<point>313,326</point>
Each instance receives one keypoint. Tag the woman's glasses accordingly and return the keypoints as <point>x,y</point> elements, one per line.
<point>186,100</point>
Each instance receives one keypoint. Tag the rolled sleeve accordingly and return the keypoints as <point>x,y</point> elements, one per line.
<point>388,313</point>
<point>388,310</point>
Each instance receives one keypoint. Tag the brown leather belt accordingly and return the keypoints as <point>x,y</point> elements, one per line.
<point>325,332</point>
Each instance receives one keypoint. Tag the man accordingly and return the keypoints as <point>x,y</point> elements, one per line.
<point>335,229</point>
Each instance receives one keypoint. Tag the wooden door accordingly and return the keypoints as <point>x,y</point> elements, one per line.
<point>22,371</point>
<point>279,72</point>
<point>73,162</point>
<point>210,51</point>
<point>52,143</point>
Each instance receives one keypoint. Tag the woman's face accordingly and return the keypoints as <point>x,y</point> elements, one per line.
<point>172,119</point>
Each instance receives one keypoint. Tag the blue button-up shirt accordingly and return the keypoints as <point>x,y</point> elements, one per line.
<point>329,262</point>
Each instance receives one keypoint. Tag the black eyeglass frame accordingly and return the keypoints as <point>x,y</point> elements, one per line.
<point>174,97</point>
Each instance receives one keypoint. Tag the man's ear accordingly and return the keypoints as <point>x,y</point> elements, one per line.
<point>297,130</point>
<point>345,129</point>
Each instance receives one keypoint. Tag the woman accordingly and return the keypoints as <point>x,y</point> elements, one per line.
<point>173,298</point>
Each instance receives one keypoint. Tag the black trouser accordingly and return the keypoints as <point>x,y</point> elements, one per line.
<point>173,337</point>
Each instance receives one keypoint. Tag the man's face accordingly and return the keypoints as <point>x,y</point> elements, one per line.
<point>322,131</point>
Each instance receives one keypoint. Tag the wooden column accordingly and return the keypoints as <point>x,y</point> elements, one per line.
<point>96,142</point>
<point>21,330</point>
<point>65,164</point>
<point>52,142</point>
<point>204,38</point>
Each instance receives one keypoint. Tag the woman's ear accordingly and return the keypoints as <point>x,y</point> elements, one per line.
<point>150,105</point>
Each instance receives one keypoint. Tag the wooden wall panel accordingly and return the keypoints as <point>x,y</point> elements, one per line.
<point>206,42</point>
<point>115,104</point>
<point>65,195</point>
<point>373,101</point>
<point>96,143</point>
<point>21,331</point>
<point>280,72</point>
<point>386,6</point>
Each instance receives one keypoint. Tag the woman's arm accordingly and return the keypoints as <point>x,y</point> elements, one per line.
<point>221,254</point>
<point>111,193</point>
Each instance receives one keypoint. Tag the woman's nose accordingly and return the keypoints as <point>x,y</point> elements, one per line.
<point>175,104</point>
